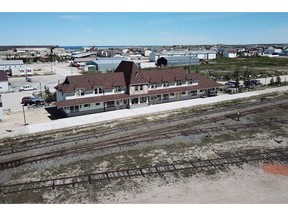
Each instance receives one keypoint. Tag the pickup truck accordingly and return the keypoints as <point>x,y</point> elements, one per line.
<point>27,88</point>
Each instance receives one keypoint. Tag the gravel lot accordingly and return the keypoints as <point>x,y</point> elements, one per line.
<point>13,110</point>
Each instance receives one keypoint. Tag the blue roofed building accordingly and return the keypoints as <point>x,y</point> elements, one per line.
<point>106,64</point>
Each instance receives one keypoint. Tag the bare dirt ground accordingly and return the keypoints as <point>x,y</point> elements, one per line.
<point>249,183</point>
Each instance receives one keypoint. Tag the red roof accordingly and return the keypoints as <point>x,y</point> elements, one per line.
<point>3,76</point>
<point>127,74</point>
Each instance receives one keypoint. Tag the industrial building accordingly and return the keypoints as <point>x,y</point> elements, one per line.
<point>171,61</point>
<point>200,54</point>
<point>106,64</point>
<point>129,87</point>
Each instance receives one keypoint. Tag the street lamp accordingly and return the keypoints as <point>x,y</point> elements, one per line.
<point>25,123</point>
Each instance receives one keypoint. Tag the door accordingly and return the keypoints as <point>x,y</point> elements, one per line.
<point>178,96</point>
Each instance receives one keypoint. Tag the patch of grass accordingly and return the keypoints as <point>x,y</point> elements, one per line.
<point>27,197</point>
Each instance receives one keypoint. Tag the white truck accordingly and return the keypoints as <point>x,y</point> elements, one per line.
<point>27,88</point>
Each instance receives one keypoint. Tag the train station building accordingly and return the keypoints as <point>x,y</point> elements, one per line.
<point>129,87</point>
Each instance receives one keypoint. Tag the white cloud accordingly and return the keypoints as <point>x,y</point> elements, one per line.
<point>71,17</point>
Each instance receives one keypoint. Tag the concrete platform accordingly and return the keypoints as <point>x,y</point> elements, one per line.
<point>130,113</point>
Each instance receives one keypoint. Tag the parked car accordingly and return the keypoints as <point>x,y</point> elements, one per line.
<point>27,88</point>
<point>230,84</point>
<point>37,102</point>
<point>26,100</point>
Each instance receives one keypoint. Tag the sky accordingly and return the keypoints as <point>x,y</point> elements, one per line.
<point>141,28</point>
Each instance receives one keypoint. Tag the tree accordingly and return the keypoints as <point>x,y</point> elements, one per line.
<point>236,78</point>
<point>49,97</point>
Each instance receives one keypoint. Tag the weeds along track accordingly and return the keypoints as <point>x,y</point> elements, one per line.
<point>160,169</point>
<point>151,136</point>
<point>222,114</point>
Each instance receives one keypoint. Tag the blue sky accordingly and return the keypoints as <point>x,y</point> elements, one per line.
<point>143,28</point>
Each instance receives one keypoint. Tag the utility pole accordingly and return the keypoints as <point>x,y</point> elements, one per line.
<point>40,91</point>
<point>190,63</point>
<point>25,123</point>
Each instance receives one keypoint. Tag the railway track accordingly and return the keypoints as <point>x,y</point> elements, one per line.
<point>267,156</point>
<point>128,140</point>
<point>104,132</point>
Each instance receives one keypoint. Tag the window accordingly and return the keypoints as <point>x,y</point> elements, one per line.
<point>193,92</point>
<point>179,83</point>
<point>153,85</point>
<point>134,101</point>
<point>143,100</point>
<point>158,97</point>
<point>166,84</point>
<point>97,104</point>
<point>117,89</point>
<point>78,92</point>
<point>86,105</point>
<point>136,88</point>
<point>165,97</point>
<point>172,94</point>
<point>141,87</point>
<point>190,82</point>
<point>183,93</point>
<point>201,90</point>
<point>110,104</point>
<point>98,90</point>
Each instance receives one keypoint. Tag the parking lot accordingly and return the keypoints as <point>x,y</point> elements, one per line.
<point>13,110</point>
<point>12,101</point>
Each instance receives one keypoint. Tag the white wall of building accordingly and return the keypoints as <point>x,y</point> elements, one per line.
<point>143,65</point>
<point>1,114</point>
<point>230,54</point>
<point>4,86</point>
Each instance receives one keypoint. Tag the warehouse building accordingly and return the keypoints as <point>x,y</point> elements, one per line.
<point>174,61</point>
<point>200,54</point>
<point>129,87</point>
<point>106,64</point>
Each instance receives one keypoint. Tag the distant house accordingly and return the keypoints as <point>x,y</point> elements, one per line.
<point>230,53</point>
<point>8,65</point>
<point>4,84</point>
<point>273,50</point>
<point>24,71</point>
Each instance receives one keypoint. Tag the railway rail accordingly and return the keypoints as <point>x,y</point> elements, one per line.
<point>128,140</point>
<point>282,103</point>
<point>266,156</point>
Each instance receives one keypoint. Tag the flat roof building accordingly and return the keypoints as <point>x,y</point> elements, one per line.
<point>172,61</point>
